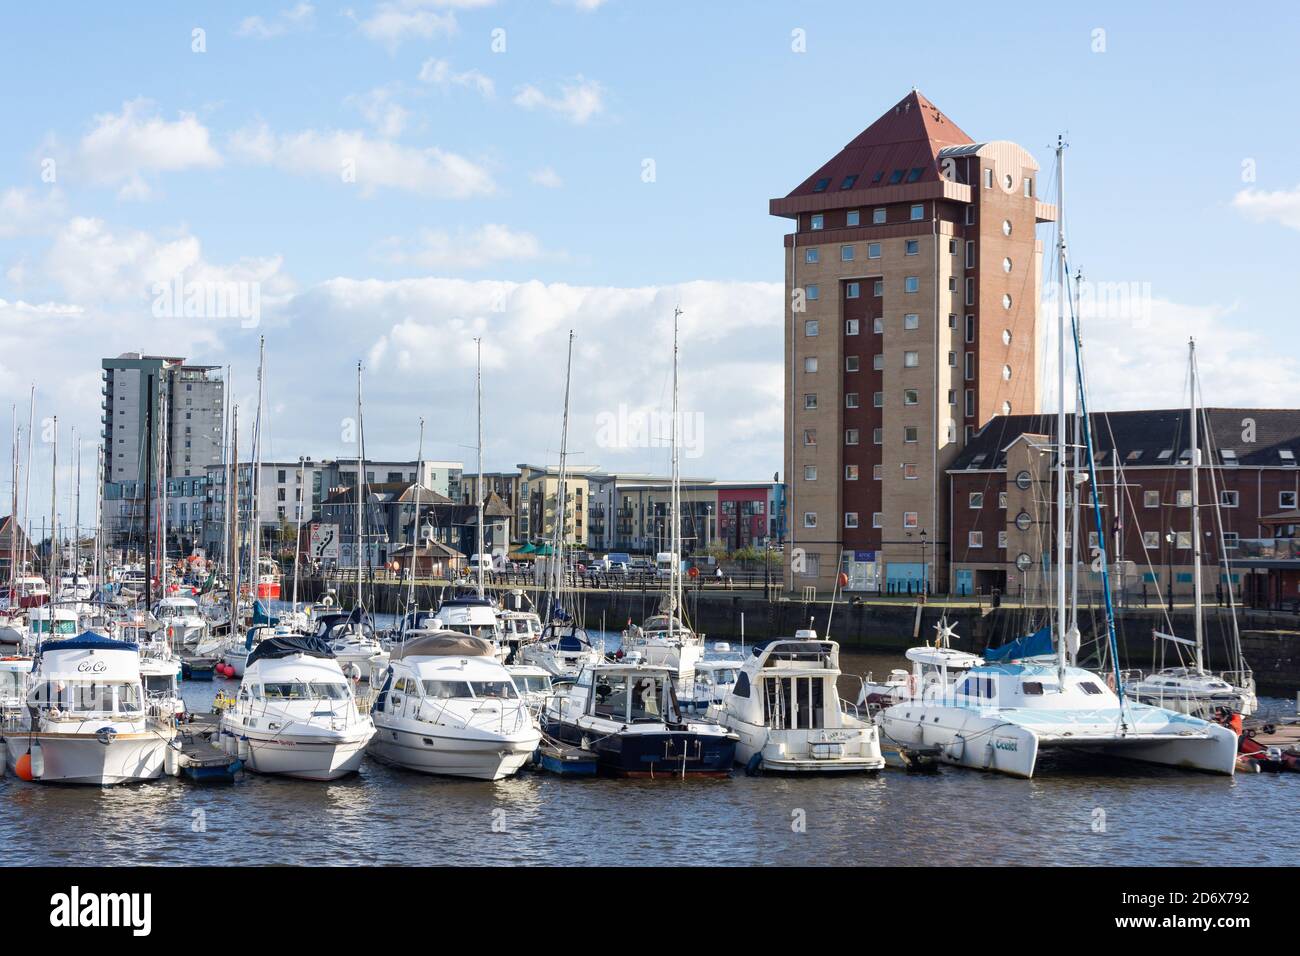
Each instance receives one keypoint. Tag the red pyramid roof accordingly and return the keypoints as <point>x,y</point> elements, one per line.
<point>907,137</point>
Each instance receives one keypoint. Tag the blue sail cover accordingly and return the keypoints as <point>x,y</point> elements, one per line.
<point>1032,645</point>
<point>262,616</point>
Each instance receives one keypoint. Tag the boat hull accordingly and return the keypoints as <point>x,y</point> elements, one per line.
<point>314,758</point>
<point>654,754</point>
<point>84,759</point>
<point>478,758</point>
<point>808,752</point>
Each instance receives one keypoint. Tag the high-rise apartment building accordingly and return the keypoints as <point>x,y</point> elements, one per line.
<point>912,281</point>
<point>188,412</point>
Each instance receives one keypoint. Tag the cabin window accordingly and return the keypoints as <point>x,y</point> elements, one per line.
<point>1088,687</point>
<point>742,685</point>
<point>502,689</point>
<point>445,689</point>
<point>1032,688</point>
<point>794,703</point>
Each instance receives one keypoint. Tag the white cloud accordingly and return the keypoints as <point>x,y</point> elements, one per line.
<point>28,212</point>
<point>546,176</point>
<point>1281,206</point>
<point>391,23</point>
<point>90,263</point>
<point>122,148</point>
<point>579,100</point>
<point>439,73</point>
<point>291,20</point>
<point>352,158</point>
<point>1135,356</point>
<point>381,110</point>
<point>586,6</point>
<point>437,249</point>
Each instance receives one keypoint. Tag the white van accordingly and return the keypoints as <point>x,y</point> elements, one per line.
<point>475,560</point>
<point>664,563</point>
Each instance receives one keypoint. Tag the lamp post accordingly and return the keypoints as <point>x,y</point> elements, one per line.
<point>925,571</point>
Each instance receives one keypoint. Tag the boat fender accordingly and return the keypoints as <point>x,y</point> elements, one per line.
<point>243,748</point>
<point>911,685</point>
<point>172,762</point>
<point>755,765</point>
<point>38,760</point>
<point>23,767</point>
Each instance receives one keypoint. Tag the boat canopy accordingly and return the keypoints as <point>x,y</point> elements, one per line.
<point>286,645</point>
<point>1032,645</point>
<point>442,644</point>
<point>88,641</point>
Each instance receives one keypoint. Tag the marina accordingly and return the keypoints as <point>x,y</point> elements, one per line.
<point>891,818</point>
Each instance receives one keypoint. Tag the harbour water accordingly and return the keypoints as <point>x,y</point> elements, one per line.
<point>1087,812</point>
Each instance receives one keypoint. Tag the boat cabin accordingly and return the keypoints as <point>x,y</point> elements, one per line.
<point>628,694</point>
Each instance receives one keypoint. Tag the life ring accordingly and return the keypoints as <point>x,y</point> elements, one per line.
<point>911,685</point>
<point>1110,680</point>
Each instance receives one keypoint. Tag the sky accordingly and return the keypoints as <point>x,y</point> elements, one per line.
<point>385,182</point>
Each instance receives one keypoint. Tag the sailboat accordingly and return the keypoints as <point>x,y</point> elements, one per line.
<point>665,639</point>
<point>564,647</point>
<point>1191,689</point>
<point>1030,696</point>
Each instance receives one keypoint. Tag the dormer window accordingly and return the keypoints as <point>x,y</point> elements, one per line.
<point>896,176</point>
<point>849,182</point>
<point>1165,454</point>
<point>915,174</point>
<point>1287,456</point>
<point>821,185</point>
<point>1229,456</point>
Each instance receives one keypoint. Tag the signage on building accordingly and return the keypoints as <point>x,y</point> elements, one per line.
<point>325,542</point>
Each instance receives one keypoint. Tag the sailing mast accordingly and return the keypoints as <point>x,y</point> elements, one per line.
<point>54,513</point>
<point>1061,606</point>
<point>1196,509</point>
<point>675,500</point>
<point>562,487</point>
<point>76,522</point>
<point>13,518</point>
<point>27,484</point>
<point>297,537</point>
<point>478,493</point>
<point>360,484</point>
<point>415,526</point>
<point>255,479</point>
<point>232,517</point>
<point>163,411</point>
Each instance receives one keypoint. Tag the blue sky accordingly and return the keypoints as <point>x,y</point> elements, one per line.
<point>527,167</point>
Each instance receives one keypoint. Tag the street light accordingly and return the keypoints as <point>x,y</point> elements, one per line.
<point>925,574</point>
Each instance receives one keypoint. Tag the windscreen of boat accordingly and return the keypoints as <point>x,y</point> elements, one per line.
<point>88,696</point>
<point>533,685</point>
<point>446,689</point>
<point>500,689</point>
<point>11,683</point>
<point>305,690</point>
<point>157,684</point>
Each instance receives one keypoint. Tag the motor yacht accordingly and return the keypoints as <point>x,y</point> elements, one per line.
<point>664,640</point>
<point>85,719</point>
<point>183,620</point>
<point>785,707</point>
<point>295,713</point>
<point>563,650</point>
<point>472,615</point>
<point>627,713</point>
<point>448,706</point>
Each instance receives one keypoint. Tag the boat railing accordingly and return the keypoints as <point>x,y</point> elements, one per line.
<point>1243,679</point>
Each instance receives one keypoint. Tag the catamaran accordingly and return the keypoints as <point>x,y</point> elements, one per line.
<point>1029,695</point>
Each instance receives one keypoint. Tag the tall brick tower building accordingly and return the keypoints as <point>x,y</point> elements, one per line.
<point>912,281</point>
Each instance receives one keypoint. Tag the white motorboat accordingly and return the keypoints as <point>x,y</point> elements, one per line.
<point>448,706</point>
<point>49,622</point>
<point>664,640</point>
<point>354,643</point>
<point>563,650</point>
<point>30,590</point>
<point>629,716</point>
<point>714,678</point>
<point>472,615</point>
<point>15,676</point>
<point>184,621</point>
<point>74,587</point>
<point>295,713</point>
<point>786,709</point>
<point>1193,690</point>
<point>534,685</point>
<point>13,629</point>
<point>86,719</point>
<point>518,629</point>
<point>939,662</point>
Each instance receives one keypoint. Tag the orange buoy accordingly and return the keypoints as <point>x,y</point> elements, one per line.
<point>24,768</point>
<point>844,580</point>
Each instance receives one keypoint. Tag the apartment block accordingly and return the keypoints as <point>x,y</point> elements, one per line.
<point>912,281</point>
